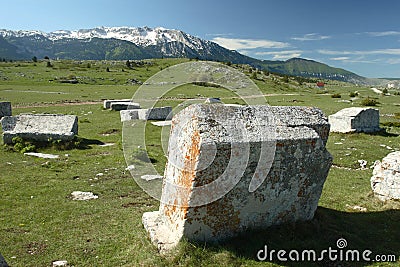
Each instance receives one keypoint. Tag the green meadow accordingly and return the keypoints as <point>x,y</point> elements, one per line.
<point>40,223</point>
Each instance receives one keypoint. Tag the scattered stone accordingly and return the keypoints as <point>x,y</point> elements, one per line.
<point>107,103</point>
<point>213,100</point>
<point>376,90</point>
<point>5,109</point>
<point>79,195</point>
<point>39,127</point>
<point>149,177</point>
<point>338,143</point>
<point>42,155</point>
<point>163,113</point>
<point>60,263</point>
<point>207,146</point>
<point>130,167</point>
<point>118,106</point>
<point>3,262</point>
<point>350,120</point>
<point>100,174</point>
<point>129,114</point>
<point>385,180</point>
<point>356,208</point>
<point>161,123</point>
<point>107,144</point>
<point>363,164</point>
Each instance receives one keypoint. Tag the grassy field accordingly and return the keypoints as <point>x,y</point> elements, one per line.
<point>39,223</point>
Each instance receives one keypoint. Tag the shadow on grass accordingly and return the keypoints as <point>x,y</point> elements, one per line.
<point>77,142</point>
<point>383,133</point>
<point>87,143</point>
<point>374,231</point>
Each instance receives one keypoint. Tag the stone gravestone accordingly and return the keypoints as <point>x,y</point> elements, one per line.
<point>117,106</point>
<point>5,109</point>
<point>355,120</point>
<point>3,262</point>
<point>385,181</point>
<point>39,127</point>
<point>107,103</point>
<point>162,113</point>
<point>207,148</point>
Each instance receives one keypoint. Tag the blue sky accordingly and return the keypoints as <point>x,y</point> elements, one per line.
<point>361,36</point>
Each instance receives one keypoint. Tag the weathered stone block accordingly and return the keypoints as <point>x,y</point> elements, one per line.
<point>162,113</point>
<point>39,127</point>
<point>107,103</point>
<point>5,109</point>
<point>355,120</point>
<point>117,106</point>
<point>207,150</point>
<point>3,262</point>
<point>385,181</point>
<point>129,114</point>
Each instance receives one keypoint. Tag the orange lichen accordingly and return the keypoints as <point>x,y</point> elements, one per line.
<point>186,178</point>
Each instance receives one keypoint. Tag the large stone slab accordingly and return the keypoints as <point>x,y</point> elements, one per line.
<point>5,109</point>
<point>39,127</point>
<point>107,103</point>
<point>118,106</point>
<point>355,120</point>
<point>385,180</point>
<point>163,113</point>
<point>207,149</point>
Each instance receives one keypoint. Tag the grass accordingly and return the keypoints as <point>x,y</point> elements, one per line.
<point>39,223</point>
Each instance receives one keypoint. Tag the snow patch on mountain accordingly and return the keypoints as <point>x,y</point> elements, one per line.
<point>141,36</point>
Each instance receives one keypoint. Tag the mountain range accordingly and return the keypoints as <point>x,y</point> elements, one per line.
<point>129,43</point>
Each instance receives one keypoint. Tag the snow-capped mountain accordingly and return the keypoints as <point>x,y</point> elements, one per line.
<point>140,36</point>
<point>123,43</point>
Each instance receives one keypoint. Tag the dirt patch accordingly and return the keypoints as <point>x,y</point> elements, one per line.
<point>43,105</point>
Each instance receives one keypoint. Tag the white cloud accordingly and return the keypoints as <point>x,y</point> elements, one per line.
<point>281,55</point>
<point>340,58</point>
<point>311,37</point>
<point>393,51</point>
<point>218,34</point>
<point>386,33</point>
<point>393,61</point>
<point>240,44</point>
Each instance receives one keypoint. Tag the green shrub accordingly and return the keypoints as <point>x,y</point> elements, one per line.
<point>336,96</point>
<point>369,102</point>
<point>23,146</point>
<point>353,94</point>
<point>391,124</point>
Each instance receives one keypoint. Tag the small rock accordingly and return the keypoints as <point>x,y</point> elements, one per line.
<point>107,144</point>
<point>363,163</point>
<point>60,263</point>
<point>79,195</point>
<point>42,155</point>
<point>130,167</point>
<point>356,208</point>
<point>149,177</point>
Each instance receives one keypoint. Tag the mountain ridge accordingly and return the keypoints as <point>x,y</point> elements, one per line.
<point>126,43</point>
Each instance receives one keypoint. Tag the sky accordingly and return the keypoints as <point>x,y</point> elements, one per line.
<point>362,36</point>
